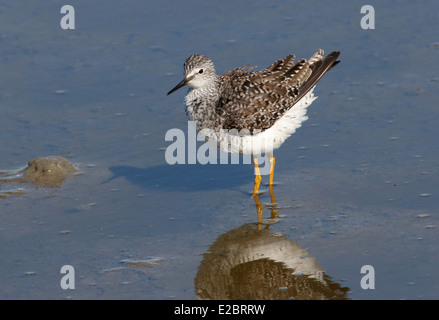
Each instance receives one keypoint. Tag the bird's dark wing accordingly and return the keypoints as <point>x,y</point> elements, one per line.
<point>255,100</point>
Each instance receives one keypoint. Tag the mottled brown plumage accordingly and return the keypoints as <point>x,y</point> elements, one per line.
<point>252,112</point>
<point>253,100</point>
<point>256,100</point>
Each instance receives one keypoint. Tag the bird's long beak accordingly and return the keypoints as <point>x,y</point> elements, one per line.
<point>178,86</point>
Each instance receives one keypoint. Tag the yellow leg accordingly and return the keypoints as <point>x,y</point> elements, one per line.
<point>274,210</point>
<point>272,160</point>
<point>258,177</point>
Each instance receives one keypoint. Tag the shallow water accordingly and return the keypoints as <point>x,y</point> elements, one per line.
<point>356,185</point>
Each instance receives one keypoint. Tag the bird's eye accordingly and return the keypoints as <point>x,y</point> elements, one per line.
<point>200,71</point>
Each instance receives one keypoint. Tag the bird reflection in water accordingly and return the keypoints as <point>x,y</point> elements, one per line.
<point>251,263</point>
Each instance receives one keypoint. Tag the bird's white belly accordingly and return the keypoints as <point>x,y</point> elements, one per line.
<point>268,140</point>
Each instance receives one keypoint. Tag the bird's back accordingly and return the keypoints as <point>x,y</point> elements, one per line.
<point>257,99</point>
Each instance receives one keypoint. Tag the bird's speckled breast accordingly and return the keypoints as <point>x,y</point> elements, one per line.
<point>200,107</point>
